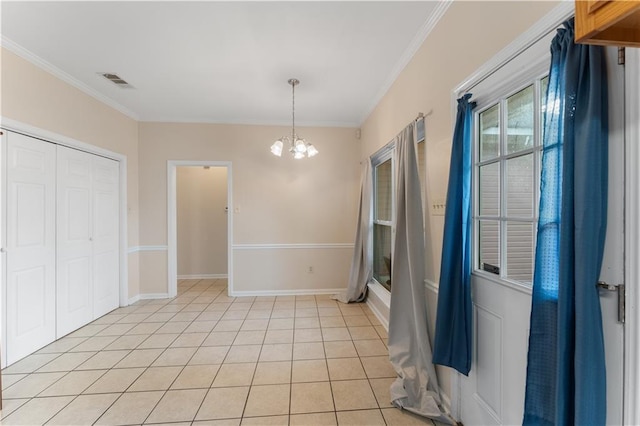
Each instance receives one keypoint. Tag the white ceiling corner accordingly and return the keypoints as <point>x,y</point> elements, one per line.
<point>14,47</point>
<point>408,54</point>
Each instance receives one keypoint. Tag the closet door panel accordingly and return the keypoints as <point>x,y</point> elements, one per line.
<point>74,241</point>
<point>31,257</point>
<point>106,232</point>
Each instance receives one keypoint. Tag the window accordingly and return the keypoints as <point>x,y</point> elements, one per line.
<point>508,146</point>
<point>384,205</point>
<point>384,201</point>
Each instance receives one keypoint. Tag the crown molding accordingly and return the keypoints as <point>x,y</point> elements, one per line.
<point>31,57</point>
<point>544,26</point>
<point>271,123</point>
<point>408,54</point>
<point>405,58</point>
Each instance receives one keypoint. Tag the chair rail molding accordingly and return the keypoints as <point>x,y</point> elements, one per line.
<point>136,249</point>
<point>293,246</point>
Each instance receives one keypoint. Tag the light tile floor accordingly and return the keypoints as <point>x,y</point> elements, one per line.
<point>205,358</point>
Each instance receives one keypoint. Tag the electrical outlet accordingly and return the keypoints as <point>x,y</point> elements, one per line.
<point>310,270</point>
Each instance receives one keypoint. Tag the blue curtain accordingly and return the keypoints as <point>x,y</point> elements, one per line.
<point>566,381</point>
<point>452,344</point>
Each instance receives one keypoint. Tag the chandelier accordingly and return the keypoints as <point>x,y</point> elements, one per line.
<point>298,147</point>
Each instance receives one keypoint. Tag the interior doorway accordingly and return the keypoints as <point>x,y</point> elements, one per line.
<point>201,208</point>
<point>200,222</point>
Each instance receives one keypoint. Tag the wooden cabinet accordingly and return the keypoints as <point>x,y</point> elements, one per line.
<point>608,22</point>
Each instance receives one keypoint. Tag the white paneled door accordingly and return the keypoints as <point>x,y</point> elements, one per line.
<point>493,394</point>
<point>74,241</point>
<point>62,257</point>
<point>105,235</point>
<point>31,247</point>
<point>88,232</point>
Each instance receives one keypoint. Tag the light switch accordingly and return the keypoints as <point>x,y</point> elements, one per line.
<point>438,207</point>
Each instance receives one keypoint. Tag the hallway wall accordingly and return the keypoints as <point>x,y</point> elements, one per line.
<point>201,199</point>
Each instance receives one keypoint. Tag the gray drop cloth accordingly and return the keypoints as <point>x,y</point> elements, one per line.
<point>416,389</point>
<point>362,264</point>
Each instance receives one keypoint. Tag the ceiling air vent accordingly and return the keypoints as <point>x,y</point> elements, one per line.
<point>115,79</point>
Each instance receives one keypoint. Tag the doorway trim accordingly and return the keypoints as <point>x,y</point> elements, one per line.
<point>172,221</point>
<point>631,413</point>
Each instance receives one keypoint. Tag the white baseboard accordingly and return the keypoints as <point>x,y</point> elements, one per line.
<point>146,296</point>
<point>305,292</point>
<point>378,314</point>
<point>202,276</point>
<point>384,296</point>
<point>136,249</point>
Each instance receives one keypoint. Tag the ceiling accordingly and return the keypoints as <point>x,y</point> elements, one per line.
<point>225,62</point>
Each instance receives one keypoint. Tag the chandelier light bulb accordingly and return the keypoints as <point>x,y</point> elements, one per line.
<point>276,148</point>
<point>300,146</point>
<point>311,150</point>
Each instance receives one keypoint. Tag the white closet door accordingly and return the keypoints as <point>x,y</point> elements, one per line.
<point>106,231</point>
<point>31,256</point>
<point>74,246</point>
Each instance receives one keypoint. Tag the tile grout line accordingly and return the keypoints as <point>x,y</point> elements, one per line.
<point>188,296</point>
<point>187,363</point>
<point>145,369</point>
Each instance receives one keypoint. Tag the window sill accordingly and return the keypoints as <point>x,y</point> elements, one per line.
<point>381,292</point>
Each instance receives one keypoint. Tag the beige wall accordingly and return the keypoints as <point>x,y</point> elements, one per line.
<point>453,50</point>
<point>201,199</point>
<point>468,35</point>
<point>275,200</point>
<point>35,97</point>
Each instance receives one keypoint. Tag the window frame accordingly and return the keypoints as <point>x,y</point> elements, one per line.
<point>500,97</point>
<point>385,154</point>
<point>388,152</point>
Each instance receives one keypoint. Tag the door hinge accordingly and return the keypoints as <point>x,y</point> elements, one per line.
<point>621,55</point>
<point>621,297</point>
